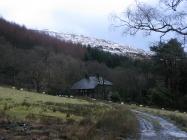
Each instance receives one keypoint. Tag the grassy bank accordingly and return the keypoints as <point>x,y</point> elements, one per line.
<point>30,115</point>
<point>179,118</point>
<point>118,123</point>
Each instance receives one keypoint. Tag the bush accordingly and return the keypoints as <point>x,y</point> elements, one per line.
<point>118,123</point>
<point>115,97</point>
<point>159,96</point>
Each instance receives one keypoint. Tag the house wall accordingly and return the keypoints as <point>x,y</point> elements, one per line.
<point>102,92</point>
<point>83,92</point>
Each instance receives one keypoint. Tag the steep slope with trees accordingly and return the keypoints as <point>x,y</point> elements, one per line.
<point>36,61</point>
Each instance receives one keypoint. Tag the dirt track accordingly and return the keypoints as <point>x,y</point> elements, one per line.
<point>157,128</point>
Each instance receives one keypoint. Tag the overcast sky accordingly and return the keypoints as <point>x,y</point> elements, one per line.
<point>86,17</point>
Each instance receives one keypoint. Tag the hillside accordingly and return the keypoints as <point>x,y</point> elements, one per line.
<point>37,61</point>
<point>29,115</point>
<point>100,44</point>
<point>22,37</point>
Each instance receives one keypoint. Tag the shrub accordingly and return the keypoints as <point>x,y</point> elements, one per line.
<point>160,96</point>
<point>118,123</point>
<point>115,97</point>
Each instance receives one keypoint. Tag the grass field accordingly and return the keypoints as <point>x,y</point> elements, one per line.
<point>19,104</point>
<point>26,115</point>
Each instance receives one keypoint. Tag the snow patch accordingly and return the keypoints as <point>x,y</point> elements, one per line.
<point>101,44</point>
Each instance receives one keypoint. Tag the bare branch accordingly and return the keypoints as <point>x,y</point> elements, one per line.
<point>152,19</point>
<point>173,4</point>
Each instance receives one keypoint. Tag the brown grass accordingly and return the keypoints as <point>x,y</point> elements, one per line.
<point>115,124</point>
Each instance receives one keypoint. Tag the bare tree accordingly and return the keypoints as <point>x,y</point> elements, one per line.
<point>168,16</point>
<point>173,4</point>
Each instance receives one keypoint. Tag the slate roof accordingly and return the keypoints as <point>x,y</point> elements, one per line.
<point>90,83</point>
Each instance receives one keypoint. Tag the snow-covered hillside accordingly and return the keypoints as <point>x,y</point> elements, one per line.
<point>101,44</point>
